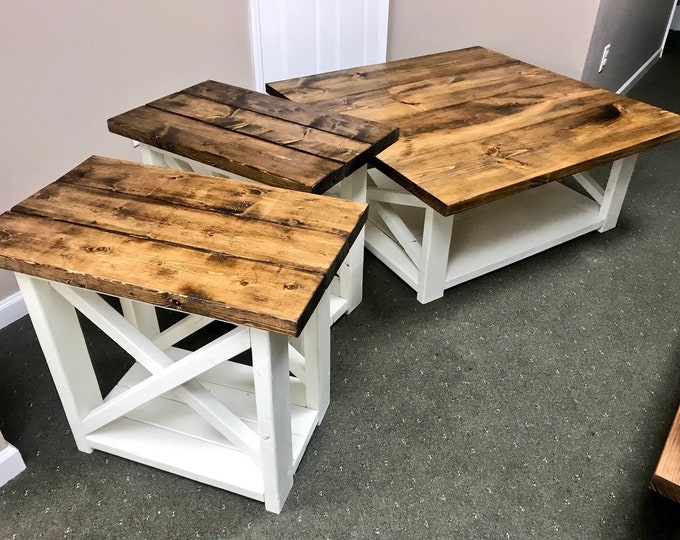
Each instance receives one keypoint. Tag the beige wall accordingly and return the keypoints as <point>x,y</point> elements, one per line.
<point>635,31</point>
<point>68,66</point>
<point>550,34</point>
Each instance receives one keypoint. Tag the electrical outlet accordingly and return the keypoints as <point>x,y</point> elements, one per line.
<point>605,55</point>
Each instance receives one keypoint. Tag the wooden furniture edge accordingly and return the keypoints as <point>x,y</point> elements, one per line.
<point>386,136</point>
<point>448,209</point>
<point>114,287</point>
<point>666,478</point>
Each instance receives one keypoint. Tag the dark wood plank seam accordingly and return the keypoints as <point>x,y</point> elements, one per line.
<point>209,307</point>
<point>348,165</point>
<point>385,85</point>
<point>552,119</point>
<point>586,112</point>
<point>316,110</point>
<point>245,170</point>
<point>239,315</point>
<point>18,209</point>
<point>396,66</point>
<point>176,202</point>
<point>462,103</point>
<point>341,162</point>
<point>446,209</point>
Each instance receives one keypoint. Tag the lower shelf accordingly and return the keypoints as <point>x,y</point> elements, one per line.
<point>167,434</point>
<point>494,235</point>
<point>508,230</point>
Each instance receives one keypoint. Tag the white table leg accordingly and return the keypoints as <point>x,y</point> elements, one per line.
<point>316,348</point>
<point>61,338</point>
<point>142,316</point>
<point>351,271</point>
<point>272,394</point>
<point>434,256</point>
<point>615,192</point>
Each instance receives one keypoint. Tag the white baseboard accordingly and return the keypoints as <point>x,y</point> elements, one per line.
<point>11,464</point>
<point>12,309</point>
<point>639,73</point>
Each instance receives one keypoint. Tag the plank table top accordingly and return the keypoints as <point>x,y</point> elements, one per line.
<point>235,251</point>
<point>476,125</point>
<point>256,136</point>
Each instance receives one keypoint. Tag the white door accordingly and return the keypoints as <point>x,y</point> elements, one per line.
<point>293,38</point>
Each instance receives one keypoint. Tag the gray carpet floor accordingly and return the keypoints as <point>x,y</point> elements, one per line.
<point>530,403</point>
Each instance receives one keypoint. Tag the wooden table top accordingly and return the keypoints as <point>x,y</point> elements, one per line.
<point>256,136</point>
<point>236,251</point>
<point>476,125</point>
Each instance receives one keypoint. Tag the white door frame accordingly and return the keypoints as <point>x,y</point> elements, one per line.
<point>284,47</point>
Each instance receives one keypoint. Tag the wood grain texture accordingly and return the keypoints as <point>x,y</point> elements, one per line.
<point>666,479</point>
<point>253,255</point>
<point>257,136</point>
<point>477,125</point>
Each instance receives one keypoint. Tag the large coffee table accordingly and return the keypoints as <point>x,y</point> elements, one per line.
<point>471,184</point>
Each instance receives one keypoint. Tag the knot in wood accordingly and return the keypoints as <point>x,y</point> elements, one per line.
<point>97,249</point>
<point>291,286</point>
<point>121,212</point>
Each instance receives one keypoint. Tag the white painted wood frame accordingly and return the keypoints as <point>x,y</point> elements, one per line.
<point>197,414</point>
<point>432,253</point>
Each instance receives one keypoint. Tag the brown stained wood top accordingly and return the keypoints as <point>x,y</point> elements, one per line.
<point>666,479</point>
<point>476,125</point>
<point>257,136</point>
<point>235,251</point>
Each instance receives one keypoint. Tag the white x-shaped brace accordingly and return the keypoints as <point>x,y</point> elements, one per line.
<point>53,306</point>
<point>166,374</point>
